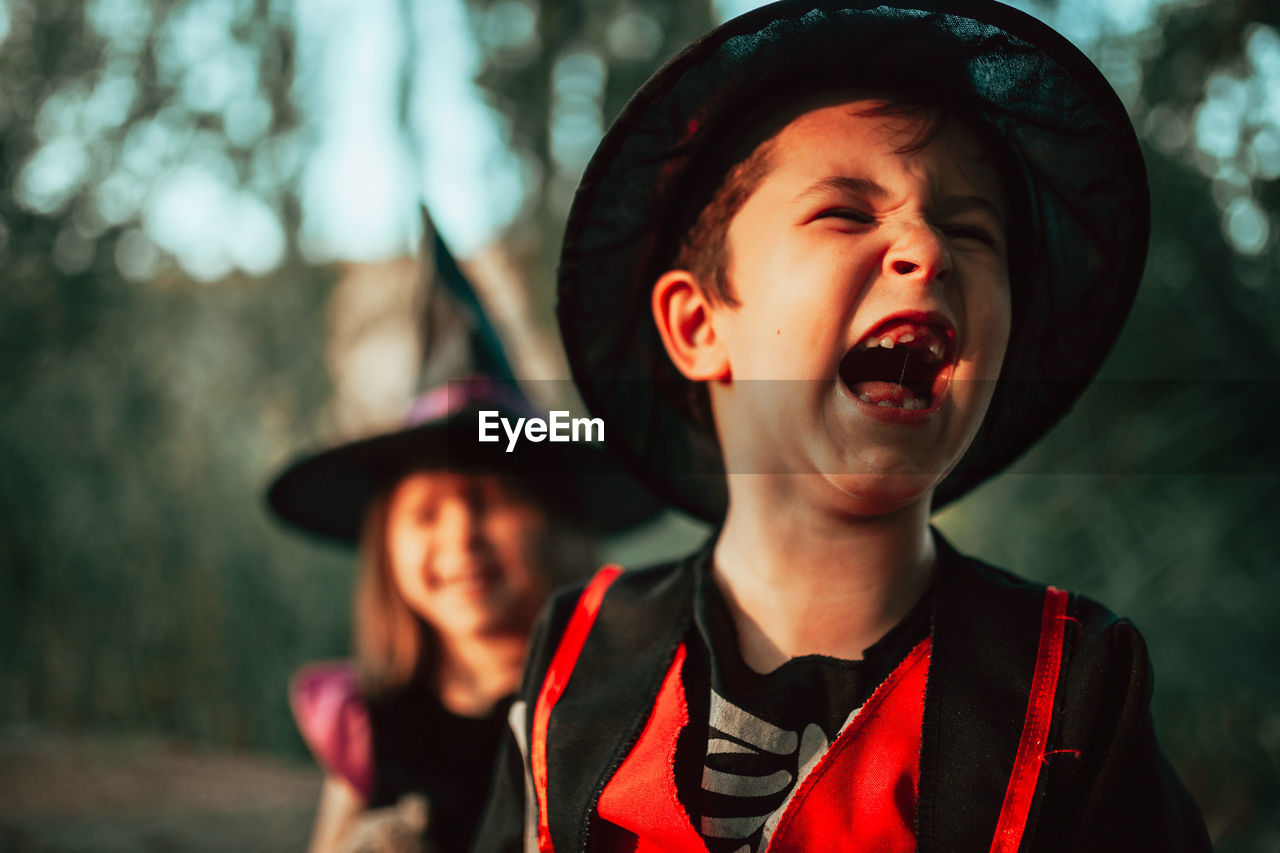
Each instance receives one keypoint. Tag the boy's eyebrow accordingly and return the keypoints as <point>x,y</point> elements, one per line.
<point>859,186</point>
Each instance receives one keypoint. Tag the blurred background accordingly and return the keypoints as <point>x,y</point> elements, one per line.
<point>208,217</point>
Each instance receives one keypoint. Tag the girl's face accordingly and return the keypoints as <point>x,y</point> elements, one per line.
<point>464,552</point>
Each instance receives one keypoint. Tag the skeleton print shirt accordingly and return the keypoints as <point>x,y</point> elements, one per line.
<point>764,732</point>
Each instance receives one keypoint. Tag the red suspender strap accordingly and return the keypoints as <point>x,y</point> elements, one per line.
<point>1035,731</point>
<point>566,656</point>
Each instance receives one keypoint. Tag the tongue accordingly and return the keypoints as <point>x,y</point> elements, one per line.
<point>876,392</point>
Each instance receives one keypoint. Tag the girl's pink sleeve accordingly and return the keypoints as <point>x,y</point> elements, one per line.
<point>334,721</point>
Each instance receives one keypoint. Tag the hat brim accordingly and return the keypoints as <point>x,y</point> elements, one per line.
<point>328,493</point>
<point>1086,193</point>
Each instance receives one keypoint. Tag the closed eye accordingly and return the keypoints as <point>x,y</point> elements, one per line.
<point>970,232</point>
<point>851,214</point>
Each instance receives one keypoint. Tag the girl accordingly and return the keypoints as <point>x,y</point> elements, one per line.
<point>457,549</point>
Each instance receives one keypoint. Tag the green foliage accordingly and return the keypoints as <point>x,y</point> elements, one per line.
<point>142,582</point>
<point>560,85</point>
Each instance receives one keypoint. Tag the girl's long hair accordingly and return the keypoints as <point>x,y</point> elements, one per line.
<point>390,639</point>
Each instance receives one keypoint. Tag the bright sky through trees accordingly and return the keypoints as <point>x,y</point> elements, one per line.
<point>360,176</point>
<point>362,185</point>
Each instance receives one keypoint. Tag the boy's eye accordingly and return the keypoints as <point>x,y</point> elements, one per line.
<point>850,213</point>
<point>970,232</point>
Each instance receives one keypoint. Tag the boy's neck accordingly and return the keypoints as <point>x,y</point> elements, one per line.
<point>800,581</point>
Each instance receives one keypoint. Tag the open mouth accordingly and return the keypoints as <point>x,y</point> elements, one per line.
<point>900,364</point>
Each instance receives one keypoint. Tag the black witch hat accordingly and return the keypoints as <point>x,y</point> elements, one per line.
<point>1071,149</point>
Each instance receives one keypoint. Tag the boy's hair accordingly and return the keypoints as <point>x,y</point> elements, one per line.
<point>704,251</point>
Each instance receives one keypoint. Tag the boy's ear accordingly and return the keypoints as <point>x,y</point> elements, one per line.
<point>684,318</point>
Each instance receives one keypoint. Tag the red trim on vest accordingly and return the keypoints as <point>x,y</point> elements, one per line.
<point>863,790</point>
<point>575,636</point>
<point>1035,731</point>
<point>643,790</point>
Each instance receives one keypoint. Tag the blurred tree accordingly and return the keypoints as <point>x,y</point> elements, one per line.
<point>140,584</point>
<point>560,70</point>
<point>135,129</point>
<point>140,581</point>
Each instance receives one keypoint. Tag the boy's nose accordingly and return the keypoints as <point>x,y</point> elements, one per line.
<point>918,253</point>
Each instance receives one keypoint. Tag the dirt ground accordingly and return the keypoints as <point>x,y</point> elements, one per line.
<point>77,793</point>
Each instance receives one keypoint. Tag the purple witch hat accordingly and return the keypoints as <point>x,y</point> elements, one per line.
<point>329,492</point>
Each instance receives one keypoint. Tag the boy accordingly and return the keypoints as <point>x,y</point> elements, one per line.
<point>858,232</point>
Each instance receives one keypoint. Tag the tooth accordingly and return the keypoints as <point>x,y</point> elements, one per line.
<point>907,338</point>
<point>886,403</point>
<point>866,398</point>
<point>935,347</point>
<point>872,343</point>
<point>886,342</point>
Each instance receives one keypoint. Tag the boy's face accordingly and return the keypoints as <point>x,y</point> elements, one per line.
<point>878,279</point>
